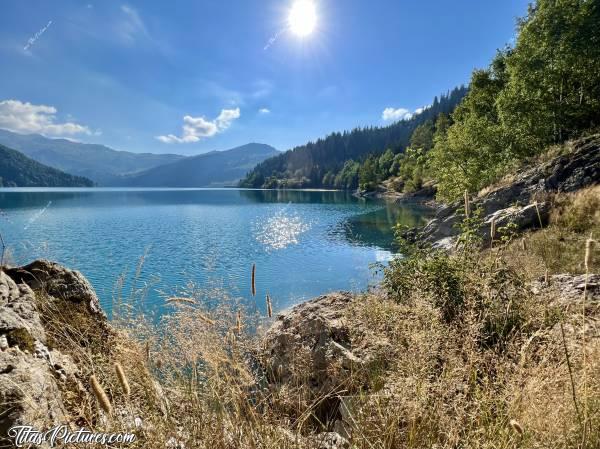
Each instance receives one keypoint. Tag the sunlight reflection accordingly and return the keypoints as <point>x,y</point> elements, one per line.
<point>280,230</point>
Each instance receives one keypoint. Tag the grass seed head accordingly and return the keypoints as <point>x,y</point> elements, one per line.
<point>269,307</point>
<point>253,279</point>
<point>122,379</point>
<point>589,246</point>
<point>516,427</point>
<point>100,395</point>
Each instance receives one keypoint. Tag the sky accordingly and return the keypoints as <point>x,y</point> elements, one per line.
<point>189,77</point>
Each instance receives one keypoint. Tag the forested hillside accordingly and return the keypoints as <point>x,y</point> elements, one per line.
<point>540,91</point>
<point>17,170</point>
<point>334,160</point>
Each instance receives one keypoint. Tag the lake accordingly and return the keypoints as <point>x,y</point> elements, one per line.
<point>304,243</point>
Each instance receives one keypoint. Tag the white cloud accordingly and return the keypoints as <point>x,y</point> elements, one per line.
<point>30,118</point>
<point>131,25</point>
<point>264,111</point>
<point>196,128</point>
<point>419,110</point>
<point>396,114</point>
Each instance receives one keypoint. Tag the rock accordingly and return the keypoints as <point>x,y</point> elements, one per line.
<point>29,394</point>
<point>316,327</point>
<point>569,288</point>
<point>57,281</point>
<point>515,201</point>
<point>311,345</point>
<point>43,374</point>
<point>19,320</point>
<point>330,440</point>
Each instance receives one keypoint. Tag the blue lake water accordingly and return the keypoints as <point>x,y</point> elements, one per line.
<point>304,243</point>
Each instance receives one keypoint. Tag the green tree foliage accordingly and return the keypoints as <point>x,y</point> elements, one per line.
<point>384,163</point>
<point>544,90</point>
<point>422,137</point>
<point>553,74</point>
<point>470,153</point>
<point>17,170</point>
<point>368,173</point>
<point>308,165</point>
<point>347,178</point>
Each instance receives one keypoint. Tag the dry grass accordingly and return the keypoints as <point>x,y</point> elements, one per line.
<point>559,247</point>
<point>448,387</point>
<point>516,167</point>
<point>471,358</point>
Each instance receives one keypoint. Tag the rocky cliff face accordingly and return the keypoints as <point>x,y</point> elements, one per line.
<point>523,200</point>
<point>53,337</point>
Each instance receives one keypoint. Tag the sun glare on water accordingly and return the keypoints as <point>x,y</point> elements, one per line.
<point>303,18</point>
<point>280,230</point>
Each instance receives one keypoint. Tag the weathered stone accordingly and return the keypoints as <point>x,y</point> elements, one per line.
<point>515,202</point>
<point>57,281</point>
<point>569,288</point>
<point>17,310</point>
<point>330,440</point>
<point>315,330</point>
<point>29,394</point>
<point>40,382</point>
<point>312,345</point>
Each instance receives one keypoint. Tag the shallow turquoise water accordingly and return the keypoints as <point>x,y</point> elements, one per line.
<point>303,243</point>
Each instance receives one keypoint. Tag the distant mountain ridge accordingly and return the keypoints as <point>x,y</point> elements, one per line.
<point>98,162</point>
<point>214,169</point>
<point>18,170</point>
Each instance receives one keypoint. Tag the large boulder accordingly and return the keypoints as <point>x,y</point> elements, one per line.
<point>57,281</point>
<point>53,336</point>
<point>29,391</point>
<point>312,346</point>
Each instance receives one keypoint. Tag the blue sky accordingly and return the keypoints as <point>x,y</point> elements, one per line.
<point>132,74</point>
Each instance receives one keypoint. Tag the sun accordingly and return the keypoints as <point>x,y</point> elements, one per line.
<point>303,18</point>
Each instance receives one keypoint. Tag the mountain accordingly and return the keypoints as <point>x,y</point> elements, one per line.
<point>308,165</point>
<point>17,170</point>
<point>214,169</point>
<point>97,162</point>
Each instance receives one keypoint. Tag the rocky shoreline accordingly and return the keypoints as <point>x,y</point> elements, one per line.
<point>48,313</point>
<point>321,337</point>
<point>523,201</point>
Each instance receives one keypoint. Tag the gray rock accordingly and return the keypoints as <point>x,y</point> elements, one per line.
<point>311,345</point>
<point>36,379</point>
<point>514,202</point>
<point>314,331</point>
<point>57,281</point>
<point>330,440</point>
<point>569,288</point>
<point>29,394</point>
<point>18,311</point>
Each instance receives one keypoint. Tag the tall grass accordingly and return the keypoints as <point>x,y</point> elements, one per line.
<point>458,351</point>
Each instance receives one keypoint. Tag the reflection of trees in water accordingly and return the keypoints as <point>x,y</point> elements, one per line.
<point>376,228</point>
<point>297,196</point>
<point>101,198</point>
<point>33,200</point>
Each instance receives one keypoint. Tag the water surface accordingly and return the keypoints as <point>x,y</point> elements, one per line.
<point>304,243</point>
